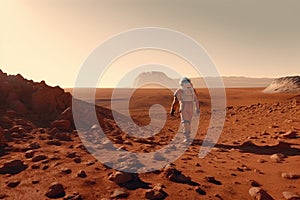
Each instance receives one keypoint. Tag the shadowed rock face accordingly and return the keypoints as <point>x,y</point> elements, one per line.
<point>29,98</point>
<point>284,85</point>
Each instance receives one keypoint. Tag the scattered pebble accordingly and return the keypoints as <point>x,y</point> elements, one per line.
<point>81,174</point>
<point>13,184</point>
<point>66,171</point>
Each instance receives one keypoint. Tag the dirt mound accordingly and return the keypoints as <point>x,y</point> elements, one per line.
<point>289,84</point>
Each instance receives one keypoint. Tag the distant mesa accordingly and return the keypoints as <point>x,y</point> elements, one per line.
<point>289,84</point>
<point>156,79</point>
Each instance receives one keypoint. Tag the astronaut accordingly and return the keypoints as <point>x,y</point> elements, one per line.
<point>186,98</point>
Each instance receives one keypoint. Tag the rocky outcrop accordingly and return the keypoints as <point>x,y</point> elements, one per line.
<point>38,101</point>
<point>289,84</point>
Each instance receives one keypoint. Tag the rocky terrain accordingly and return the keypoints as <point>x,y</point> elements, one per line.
<point>284,84</point>
<point>43,157</point>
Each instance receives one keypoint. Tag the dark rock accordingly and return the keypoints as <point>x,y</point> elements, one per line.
<point>77,160</point>
<point>212,179</point>
<point>34,145</point>
<point>12,167</point>
<point>176,176</point>
<point>121,177</point>
<point>254,183</point>
<point>56,190</point>
<point>81,174</point>
<point>66,171</point>
<point>200,190</point>
<point>259,194</point>
<point>39,158</point>
<point>35,166</point>
<point>71,155</point>
<point>13,184</point>
<point>29,153</point>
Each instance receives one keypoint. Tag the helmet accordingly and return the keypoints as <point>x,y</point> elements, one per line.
<point>184,80</point>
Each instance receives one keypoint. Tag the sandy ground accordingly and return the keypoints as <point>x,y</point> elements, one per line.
<point>253,131</point>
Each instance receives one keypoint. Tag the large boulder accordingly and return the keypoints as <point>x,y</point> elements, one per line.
<point>12,167</point>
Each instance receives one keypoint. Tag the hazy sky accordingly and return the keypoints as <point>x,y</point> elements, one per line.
<point>50,39</point>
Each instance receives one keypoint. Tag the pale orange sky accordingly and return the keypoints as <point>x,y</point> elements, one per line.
<point>50,39</point>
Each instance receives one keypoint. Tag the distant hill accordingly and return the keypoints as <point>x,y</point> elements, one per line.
<point>150,80</point>
<point>284,85</point>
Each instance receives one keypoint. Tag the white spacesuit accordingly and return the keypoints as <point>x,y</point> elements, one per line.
<point>186,98</point>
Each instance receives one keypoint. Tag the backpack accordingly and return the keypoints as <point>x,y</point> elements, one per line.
<point>188,92</point>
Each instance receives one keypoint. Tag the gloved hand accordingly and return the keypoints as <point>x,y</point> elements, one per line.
<point>172,112</point>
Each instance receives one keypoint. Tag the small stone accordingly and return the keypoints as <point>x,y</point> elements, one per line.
<point>89,163</point>
<point>45,167</point>
<point>119,193</point>
<point>121,177</point>
<point>71,155</point>
<point>35,166</point>
<point>35,181</point>
<point>259,194</point>
<point>212,179</point>
<point>81,174</point>
<point>176,176</point>
<point>77,160</point>
<point>56,190</point>
<point>291,196</point>
<point>39,158</point>
<point>34,145</point>
<point>156,193</point>
<point>66,171</point>
<point>254,183</point>
<point>278,157</point>
<point>290,176</point>
<point>13,184</point>
<point>29,153</point>
<point>200,190</point>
